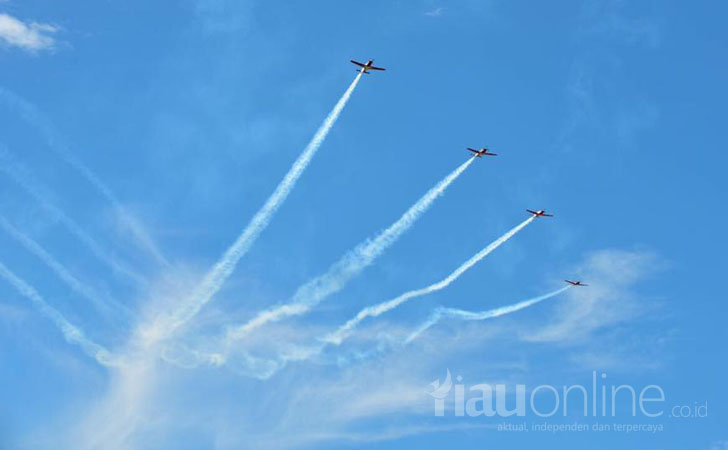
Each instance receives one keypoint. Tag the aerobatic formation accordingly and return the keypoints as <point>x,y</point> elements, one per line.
<point>155,335</point>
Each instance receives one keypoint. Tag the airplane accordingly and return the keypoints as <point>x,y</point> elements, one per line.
<point>365,68</point>
<point>540,213</point>
<point>482,152</point>
<point>576,283</point>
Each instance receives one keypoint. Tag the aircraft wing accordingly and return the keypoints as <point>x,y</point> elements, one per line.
<point>531,211</point>
<point>359,64</point>
<point>376,68</point>
<point>473,150</point>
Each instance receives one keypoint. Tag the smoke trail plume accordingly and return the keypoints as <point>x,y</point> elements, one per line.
<point>25,180</point>
<point>71,333</point>
<point>64,274</point>
<point>454,313</point>
<point>264,369</point>
<point>215,278</point>
<point>351,264</point>
<point>302,353</point>
<point>330,282</point>
<point>31,114</point>
<point>336,337</point>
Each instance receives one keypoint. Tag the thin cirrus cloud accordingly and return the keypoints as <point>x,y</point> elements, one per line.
<point>30,36</point>
<point>612,275</point>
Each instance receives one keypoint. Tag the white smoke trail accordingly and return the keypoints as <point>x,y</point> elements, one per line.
<point>302,353</point>
<point>215,278</point>
<point>71,333</point>
<point>454,313</point>
<point>337,336</point>
<point>64,274</point>
<point>31,114</point>
<point>264,369</point>
<point>352,263</point>
<point>297,353</point>
<point>25,180</point>
<point>325,285</point>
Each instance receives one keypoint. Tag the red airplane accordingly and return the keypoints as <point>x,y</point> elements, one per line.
<point>540,213</point>
<point>576,283</point>
<point>365,68</point>
<point>482,152</point>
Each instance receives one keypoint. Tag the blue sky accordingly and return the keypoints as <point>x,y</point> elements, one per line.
<point>137,140</point>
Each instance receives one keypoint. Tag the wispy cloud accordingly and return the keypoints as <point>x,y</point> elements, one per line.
<point>57,144</point>
<point>609,20</point>
<point>111,423</point>
<point>26,181</point>
<point>437,12</point>
<point>225,16</point>
<point>392,433</point>
<point>608,300</point>
<point>61,271</point>
<point>633,119</point>
<point>604,28</point>
<point>327,401</point>
<point>70,332</point>
<point>30,36</point>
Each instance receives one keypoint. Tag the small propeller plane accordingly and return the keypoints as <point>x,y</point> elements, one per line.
<point>482,152</point>
<point>539,213</point>
<point>576,283</point>
<point>365,68</point>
